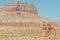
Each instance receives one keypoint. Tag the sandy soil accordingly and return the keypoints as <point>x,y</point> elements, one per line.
<point>25,33</point>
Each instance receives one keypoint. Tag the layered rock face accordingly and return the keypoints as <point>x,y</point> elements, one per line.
<point>18,6</point>
<point>19,14</point>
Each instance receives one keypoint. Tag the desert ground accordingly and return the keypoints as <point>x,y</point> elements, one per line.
<point>25,33</point>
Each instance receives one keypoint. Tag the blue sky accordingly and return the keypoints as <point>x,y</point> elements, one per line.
<point>46,8</point>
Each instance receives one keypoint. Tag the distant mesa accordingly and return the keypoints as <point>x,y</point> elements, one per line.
<point>20,14</point>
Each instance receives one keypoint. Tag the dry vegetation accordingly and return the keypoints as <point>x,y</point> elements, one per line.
<point>25,33</point>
